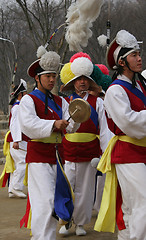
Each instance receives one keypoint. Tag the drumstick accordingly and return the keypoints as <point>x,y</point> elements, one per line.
<point>22,149</point>
<point>77,108</point>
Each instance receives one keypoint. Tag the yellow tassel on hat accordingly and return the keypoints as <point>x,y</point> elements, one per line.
<point>66,74</point>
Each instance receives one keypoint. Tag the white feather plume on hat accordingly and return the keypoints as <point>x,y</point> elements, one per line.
<point>126,40</point>
<point>50,61</point>
<point>89,10</point>
<point>123,39</point>
<point>41,51</point>
<point>72,13</point>
<point>102,40</point>
<point>80,16</point>
<point>78,33</point>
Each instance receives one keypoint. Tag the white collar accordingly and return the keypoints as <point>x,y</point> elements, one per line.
<point>86,96</point>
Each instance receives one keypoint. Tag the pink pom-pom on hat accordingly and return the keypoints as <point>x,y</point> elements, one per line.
<point>103,68</point>
<point>79,55</point>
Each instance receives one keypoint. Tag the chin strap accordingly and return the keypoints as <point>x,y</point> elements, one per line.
<point>46,103</point>
<point>80,92</point>
<point>133,79</point>
<point>142,80</point>
<point>49,95</point>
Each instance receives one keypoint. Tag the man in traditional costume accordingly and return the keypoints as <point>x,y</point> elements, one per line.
<point>80,148</point>
<point>18,144</point>
<point>43,118</point>
<point>125,105</point>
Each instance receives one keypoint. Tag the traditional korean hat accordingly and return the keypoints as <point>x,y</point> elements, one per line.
<point>123,44</point>
<point>47,62</point>
<point>80,65</point>
<point>22,87</point>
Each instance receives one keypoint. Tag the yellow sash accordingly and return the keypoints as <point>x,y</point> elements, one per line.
<point>9,166</point>
<point>25,181</point>
<point>54,138</point>
<point>80,137</point>
<point>106,219</point>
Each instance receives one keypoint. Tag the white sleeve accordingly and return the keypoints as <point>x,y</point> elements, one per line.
<point>118,107</point>
<point>105,133</point>
<point>73,126</point>
<point>15,124</point>
<point>31,125</point>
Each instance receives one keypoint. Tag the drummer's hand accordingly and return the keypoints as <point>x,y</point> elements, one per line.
<point>71,98</point>
<point>61,124</point>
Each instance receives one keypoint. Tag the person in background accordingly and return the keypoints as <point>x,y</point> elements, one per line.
<point>80,148</point>
<point>18,145</point>
<point>43,118</point>
<point>99,184</point>
<point>125,105</point>
<point>102,73</point>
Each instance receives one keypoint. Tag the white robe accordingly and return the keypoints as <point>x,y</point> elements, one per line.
<point>82,175</point>
<point>132,177</point>
<point>17,177</point>
<point>41,176</point>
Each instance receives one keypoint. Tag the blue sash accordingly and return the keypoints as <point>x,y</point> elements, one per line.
<point>135,90</point>
<point>16,103</point>
<point>37,93</point>
<point>64,196</point>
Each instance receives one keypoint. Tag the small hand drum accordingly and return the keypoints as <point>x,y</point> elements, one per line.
<point>79,110</point>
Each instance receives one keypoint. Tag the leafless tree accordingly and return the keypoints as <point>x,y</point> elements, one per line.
<point>30,24</point>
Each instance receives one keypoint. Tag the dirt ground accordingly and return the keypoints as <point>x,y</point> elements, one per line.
<point>12,210</point>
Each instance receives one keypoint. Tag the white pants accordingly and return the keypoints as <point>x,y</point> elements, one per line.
<point>17,177</point>
<point>82,179</point>
<point>41,189</point>
<point>99,192</point>
<point>132,180</point>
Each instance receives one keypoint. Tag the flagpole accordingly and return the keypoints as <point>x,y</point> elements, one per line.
<point>56,30</point>
<point>108,24</point>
